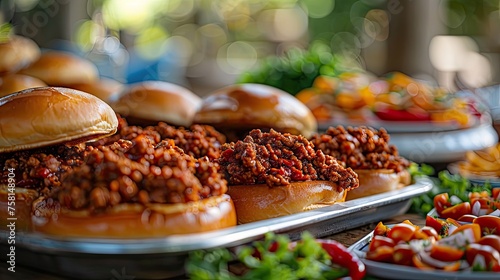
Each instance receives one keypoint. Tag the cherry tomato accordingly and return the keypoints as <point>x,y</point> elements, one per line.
<point>441,202</point>
<point>489,224</point>
<point>491,240</point>
<point>475,253</point>
<point>379,240</point>
<point>472,230</point>
<point>402,254</point>
<point>446,253</point>
<point>381,254</point>
<point>434,223</point>
<point>401,232</point>
<point>467,218</point>
<point>456,211</point>
<point>381,229</point>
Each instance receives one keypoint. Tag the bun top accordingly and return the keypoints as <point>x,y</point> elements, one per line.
<point>16,53</point>
<point>103,88</point>
<point>157,101</point>
<point>46,116</point>
<point>16,82</point>
<point>58,68</point>
<point>256,106</point>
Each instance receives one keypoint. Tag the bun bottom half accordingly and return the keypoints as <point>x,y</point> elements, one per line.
<point>138,221</point>
<point>375,181</point>
<point>20,209</point>
<point>260,202</point>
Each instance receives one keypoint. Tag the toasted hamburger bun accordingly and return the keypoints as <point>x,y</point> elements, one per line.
<point>16,82</point>
<point>17,53</point>
<point>106,89</point>
<point>375,181</point>
<point>139,221</point>
<point>260,202</point>
<point>150,102</point>
<point>57,68</point>
<point>237,109</point>
<point>45,116</point>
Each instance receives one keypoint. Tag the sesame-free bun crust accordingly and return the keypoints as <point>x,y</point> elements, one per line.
<point>57,68</point>
<point>375,181</point>
<point>16,53</point>
<point>138,221</point>
<point>16,82</point>
<point>156,101</point>
<point>45,116</point>
<point>103,88</point>
<point>259,202</point>
<point>250,106</point>
<point>23,198</point>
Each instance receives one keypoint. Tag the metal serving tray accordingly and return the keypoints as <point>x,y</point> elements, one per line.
<point>161,258</point>
<point>394,271</point>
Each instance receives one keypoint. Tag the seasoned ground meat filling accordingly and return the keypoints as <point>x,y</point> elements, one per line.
<point>41,169</point>
<point>197,141</point>
<point>278,159</point>
<point>360,148</point>
<point>139,171</point>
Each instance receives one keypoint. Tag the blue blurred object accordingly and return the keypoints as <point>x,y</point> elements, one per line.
<point>168,68</point>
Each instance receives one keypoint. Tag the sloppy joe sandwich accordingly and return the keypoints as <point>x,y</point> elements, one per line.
<point>368,152</point>
<point>16,82</point>
<point>58,68</point>
<point>272,174</point>
<point>236,109</point>
<point>42,129</point>
<point>16,53</point>
<point>149,102</point>
<point>135,188</point>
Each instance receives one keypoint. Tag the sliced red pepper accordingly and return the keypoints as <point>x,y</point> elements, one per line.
<point>388,114</point>
<point>343,257</point>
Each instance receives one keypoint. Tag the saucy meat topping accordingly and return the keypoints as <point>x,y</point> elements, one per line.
<point>41,169</point>
<point>138,171</point>
<point>197,141</point>
<point>360,148</point>
<point>278,159</point>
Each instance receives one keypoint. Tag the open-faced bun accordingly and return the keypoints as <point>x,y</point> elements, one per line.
<point>16,82</point>
<point>150,102</point>
<point>57,68</point>
<point>104,88</point>
<point>375,181</point>
<point>45,116</point>
<point>138,221</point>
<point>17,52</point>
<point>23,199</point>
<point>260,201</point>
<point>237,109</point>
